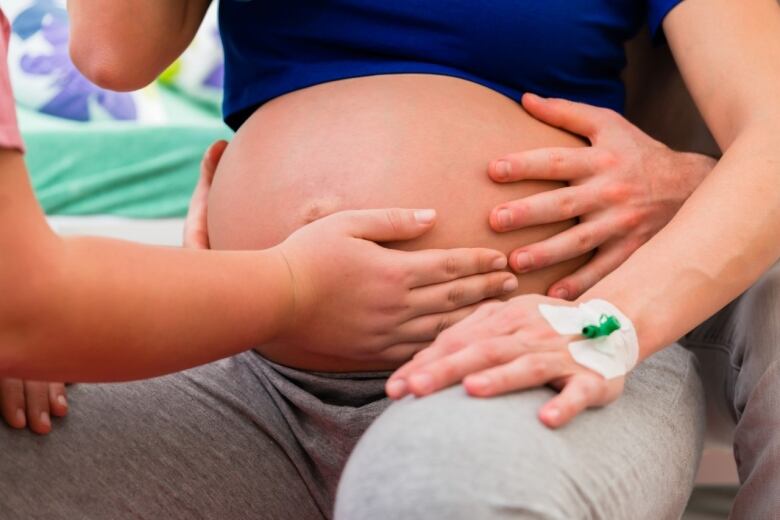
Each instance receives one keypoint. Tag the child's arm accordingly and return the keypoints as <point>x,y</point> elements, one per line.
<point>125,45</point>
<point>26,403</point>
<point>88,309</point>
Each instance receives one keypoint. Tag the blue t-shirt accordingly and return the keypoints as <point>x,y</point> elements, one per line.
<point>557,48</point>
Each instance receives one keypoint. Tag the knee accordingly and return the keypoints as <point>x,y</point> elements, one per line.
<point>417,492</point>
<point>418,462</point>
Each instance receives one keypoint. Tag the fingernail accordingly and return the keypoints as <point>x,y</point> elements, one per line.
<point>396,388</point>
<point>421,383</point>
<point>499,263</point>
<point>510,285</point>
<point>425,216</point>
<point>479,383</point>
<point>63,402</point>
<point>503,169</point>
<point>561,293</point>
<point>553,414</point>
<point>45,420</point>
<point>523,261</point>
<point>504,217</point>
<point>21,418</point>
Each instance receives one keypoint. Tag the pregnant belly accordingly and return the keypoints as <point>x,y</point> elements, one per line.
<point>414,141</point>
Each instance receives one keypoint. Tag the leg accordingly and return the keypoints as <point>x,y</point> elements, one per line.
<point>450,456</point>
<point>234,439</point>
<point>748,332</point>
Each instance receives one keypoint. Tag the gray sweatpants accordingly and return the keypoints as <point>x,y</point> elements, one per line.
<point>739,354</point>
<point>244,438</point>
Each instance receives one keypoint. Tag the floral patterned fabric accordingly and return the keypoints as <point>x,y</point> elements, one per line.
<point>45,78</point>
<point>199,73</point>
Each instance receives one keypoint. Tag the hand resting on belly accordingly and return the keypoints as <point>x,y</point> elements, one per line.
<point>381,141</point>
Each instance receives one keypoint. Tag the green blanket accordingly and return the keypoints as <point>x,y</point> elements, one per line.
<point>116,168</point>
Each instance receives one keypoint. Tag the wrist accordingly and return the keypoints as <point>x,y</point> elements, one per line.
<point>608,345</point>
<point>639,311</point>
<point>285,290</point>
<point>696,167</point>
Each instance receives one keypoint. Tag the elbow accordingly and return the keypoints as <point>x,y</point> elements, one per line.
<point>108,68</point>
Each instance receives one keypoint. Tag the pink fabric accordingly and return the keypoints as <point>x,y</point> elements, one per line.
<point>9,128</point>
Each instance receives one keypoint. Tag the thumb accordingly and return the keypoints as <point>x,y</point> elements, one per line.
<point>578,118</point>
<point>196,222</point>
<point>387,225</point>
<point>211,160</point>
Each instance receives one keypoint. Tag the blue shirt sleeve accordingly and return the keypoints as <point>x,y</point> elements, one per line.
<point>657,11</point>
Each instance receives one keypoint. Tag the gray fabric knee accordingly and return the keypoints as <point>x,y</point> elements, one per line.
<point>451,456</point>
<point>432,469</point>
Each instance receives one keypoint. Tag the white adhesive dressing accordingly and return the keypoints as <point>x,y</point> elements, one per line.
<point>611,356</point>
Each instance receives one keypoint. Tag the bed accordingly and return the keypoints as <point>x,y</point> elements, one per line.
<point>120,179</point>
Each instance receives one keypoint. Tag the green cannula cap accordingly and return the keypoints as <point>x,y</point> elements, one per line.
<point>607,325</point>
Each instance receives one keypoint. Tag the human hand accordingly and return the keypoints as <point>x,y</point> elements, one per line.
<point>505,347</point>
<point>32,403</point>
<point>358,300</point>
<point>624,188</point>
<point>196,234</point>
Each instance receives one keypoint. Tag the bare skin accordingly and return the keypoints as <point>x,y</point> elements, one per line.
<point>372,142</point>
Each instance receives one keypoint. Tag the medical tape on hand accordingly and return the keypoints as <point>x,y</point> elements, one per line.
<point>611,356</point>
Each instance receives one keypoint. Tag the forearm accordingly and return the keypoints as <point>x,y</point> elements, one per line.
<point>117,311</point>
<point>126,45</point>
<point>721,241</point>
